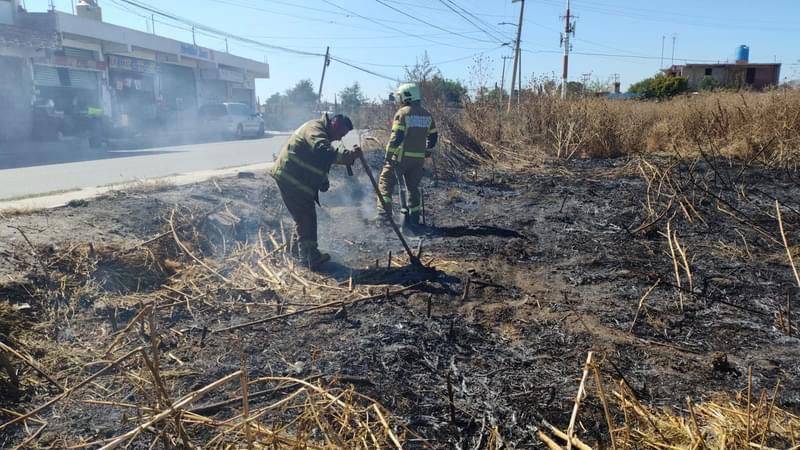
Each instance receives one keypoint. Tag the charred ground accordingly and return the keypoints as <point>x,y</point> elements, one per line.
<point>529,270</point>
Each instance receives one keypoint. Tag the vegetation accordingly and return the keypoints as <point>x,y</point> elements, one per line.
<point>751,126</point>
<point>352,98</point>
<point>434,86</point>
<point>708,83</point>
<point>660,86</point>
<point>292,108</point>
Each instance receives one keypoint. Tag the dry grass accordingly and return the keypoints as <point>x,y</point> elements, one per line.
<point>745,421</point>
<point>194,264</point>
<point>762,127</point>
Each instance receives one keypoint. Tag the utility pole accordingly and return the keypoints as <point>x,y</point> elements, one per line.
<point>516,52</point>
<point>663,39</point>
<point>569,30</point>
<point>153,21</point>
<point>674,38</point>
<point>324,69</point>
<point>519,77</point>
<point>503,78</point>
<point>194,38</point>
<point>227,49</point>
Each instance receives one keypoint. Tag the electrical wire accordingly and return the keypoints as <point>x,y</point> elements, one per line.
<point>460,14</point>
<point>404,32</point>
<point>201,27</point>
<point>376,74</point>
<point>431,24</point>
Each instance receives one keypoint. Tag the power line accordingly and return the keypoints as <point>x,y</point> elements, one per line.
<point>225,34</point>
<point>430,24</point>
<point>404,32</point>
<point>437,63</point>
<point>611,55</point>
<point>202,27</point>
<point>376,74</point>
<point>452,8</point>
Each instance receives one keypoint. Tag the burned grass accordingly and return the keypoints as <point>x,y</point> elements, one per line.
<point>194,327</point>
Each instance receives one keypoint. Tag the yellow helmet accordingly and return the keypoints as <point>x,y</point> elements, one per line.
<point>408,93</point>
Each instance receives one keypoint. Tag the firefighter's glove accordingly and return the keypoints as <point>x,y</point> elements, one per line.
<point>428,153</point>
<point>326,184</point>
<point>351,156</point>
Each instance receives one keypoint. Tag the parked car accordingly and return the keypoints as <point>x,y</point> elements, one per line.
<point>230,120</point>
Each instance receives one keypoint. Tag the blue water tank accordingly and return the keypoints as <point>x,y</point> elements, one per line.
<point>742,54</point>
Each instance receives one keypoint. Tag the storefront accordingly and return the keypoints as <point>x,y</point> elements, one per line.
<point>15,99</point>
<point>177,93</point>
<point>132,83</point>
<point>66,87</point>
<point>226,84</point>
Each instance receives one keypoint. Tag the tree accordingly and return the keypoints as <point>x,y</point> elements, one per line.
<point>352,98</point>
<point>302,94</point>
<point>422,71</point>
<point>660,86</point>
<point>450,91</point>
<point>708,83</point>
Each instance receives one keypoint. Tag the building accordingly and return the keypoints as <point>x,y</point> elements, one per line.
<point>80,63</point>
<point>754,76</point>
<point>18,45</point>
<point>740,74</point>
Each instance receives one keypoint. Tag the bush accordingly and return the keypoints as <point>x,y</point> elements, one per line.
<point>660,86</point>
<point>708,83</point>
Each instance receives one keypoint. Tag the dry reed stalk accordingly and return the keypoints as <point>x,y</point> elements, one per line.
<point>187,399</point>
<point>675,264</point>
<point>28,362</point>
<point>578,399</point>
<point>386,427</point>
<point>685,260</point>
<point>24,444</point>
<point>609,422</point>
<point>786,243</point>
<point>641,304</point>
<point>575,441</point>
<point>189,253</point>
<point>552,445</point>
<point>334,304</point>
<point>749,399</point>
<point>68,391</point>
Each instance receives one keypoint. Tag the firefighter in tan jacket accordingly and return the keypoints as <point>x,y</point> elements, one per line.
<point>301,172</point>
<point>413,137</point>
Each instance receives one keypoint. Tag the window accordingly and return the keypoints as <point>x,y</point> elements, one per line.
<point>709,71</point>
<point>750,77</point>
<point>239,109</point>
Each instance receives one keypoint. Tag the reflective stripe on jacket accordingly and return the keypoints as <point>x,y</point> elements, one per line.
<point>411,128</point>
<point>306,158</point>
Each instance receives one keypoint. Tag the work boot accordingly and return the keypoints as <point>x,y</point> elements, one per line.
<point>411,223</point>
<point>311,257</point>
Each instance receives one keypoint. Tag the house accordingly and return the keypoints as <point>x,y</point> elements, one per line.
<point>741,74</point>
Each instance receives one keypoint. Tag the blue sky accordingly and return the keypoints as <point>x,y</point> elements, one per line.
<point>613,36</point>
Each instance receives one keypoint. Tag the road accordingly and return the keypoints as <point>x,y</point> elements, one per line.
<point>22,173</point>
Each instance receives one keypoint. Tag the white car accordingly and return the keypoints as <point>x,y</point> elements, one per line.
<point>230,120</point>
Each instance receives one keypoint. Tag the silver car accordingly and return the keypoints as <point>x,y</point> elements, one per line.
<point>230,120</point>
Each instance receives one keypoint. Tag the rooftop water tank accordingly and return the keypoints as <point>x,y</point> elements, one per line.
<point>742,54</point>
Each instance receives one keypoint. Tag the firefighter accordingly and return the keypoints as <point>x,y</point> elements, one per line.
<point>301,172</point>
<point>413,138</point>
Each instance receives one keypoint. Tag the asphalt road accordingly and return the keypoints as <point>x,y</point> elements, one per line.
<point>37,171</point>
